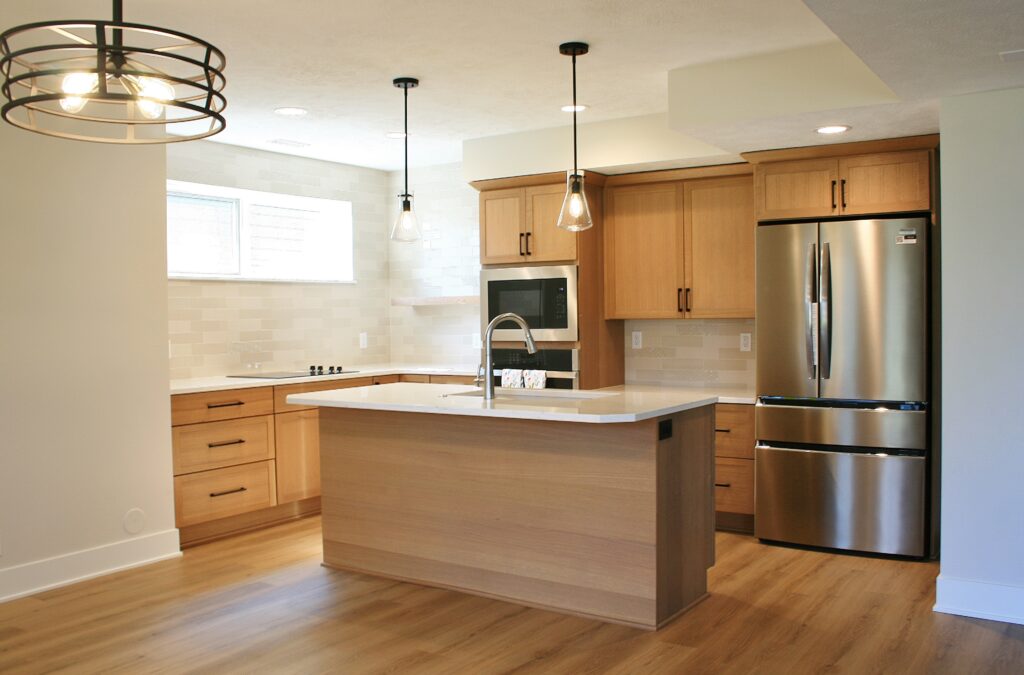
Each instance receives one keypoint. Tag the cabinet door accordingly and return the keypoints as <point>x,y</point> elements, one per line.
<point>298,455</point>
<point>644,251</point>
<point>798,189</point>
<point>502,226</point>
<point>719,236</point>
<point>885,182</point>
<point>546,242</point>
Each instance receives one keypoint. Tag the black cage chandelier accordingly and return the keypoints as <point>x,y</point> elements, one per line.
<point>111,81</point>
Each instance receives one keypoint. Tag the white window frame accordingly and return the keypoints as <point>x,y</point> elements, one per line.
<point>338,210</point>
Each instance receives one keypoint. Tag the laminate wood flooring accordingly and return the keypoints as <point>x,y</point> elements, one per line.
<point>261,603</point>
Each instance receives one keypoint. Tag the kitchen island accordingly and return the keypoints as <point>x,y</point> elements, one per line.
<point>596,503</point>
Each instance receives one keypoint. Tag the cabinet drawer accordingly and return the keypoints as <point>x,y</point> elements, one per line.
<point>409,377</point>
<point>281,392</point>
<point>199,447</point>
<point>213,406</point>
<point>734,430</point>
<point>220,493</point>
<point>452,379</point>
<point>734,485</point>
<point>387,379</point>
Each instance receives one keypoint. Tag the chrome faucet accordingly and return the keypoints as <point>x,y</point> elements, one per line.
<point>488,364</point>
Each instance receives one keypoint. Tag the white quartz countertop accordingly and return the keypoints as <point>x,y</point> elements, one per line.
<point>625,403</point>
<point>222,382</point>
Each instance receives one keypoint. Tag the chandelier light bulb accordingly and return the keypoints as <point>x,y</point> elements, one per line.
<point>75,84</point>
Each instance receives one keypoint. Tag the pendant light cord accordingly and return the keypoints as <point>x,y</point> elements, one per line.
<point>575,171</point>
<point>406,195</point>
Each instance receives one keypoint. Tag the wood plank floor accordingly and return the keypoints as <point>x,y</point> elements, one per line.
<point>261,603</point>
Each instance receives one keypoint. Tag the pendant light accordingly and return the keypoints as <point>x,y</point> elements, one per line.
<point>406,228</point>
<point>575,214</point>
<point>110,81</point>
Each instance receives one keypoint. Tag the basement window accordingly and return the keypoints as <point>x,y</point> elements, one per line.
<point>244,235</point>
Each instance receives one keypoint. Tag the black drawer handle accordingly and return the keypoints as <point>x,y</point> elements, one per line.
<point>723,484</point>
<point>225,405</point>
<point>221,444</point>
<point>724,431</point>
<point>227,492</point>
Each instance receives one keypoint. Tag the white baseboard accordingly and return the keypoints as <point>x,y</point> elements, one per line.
<point>979,599</point>
<point>42,575</point>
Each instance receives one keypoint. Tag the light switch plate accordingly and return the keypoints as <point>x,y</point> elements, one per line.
<point>744,342</point>
<point>638,339</point>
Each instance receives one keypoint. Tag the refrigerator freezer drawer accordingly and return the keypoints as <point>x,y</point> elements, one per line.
<point>841,500</point>
<point>856,427</point>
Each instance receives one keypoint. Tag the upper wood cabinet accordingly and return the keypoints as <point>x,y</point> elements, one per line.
<point>884,182</point>
<point>521,225</point>
<point>680,249</point>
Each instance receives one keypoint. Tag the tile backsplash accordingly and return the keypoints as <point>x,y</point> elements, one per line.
<point>691,353</point>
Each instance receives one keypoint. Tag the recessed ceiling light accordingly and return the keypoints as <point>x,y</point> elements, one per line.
<point>574,108</point>
<point>289,143</point>
<point>833,129</point>
<point>290,111</point>
<point>395,134</point>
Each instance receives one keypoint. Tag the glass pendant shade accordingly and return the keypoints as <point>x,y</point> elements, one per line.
<point>575,213</point>
<point>406,227</point>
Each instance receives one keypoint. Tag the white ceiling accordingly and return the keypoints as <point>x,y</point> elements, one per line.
<point>490,68</point>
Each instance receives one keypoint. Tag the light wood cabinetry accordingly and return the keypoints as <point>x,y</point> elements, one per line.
<point>680,249</point>
<point>386,379</point>
<point>211,406</point>
<point>452,379</point>
<point>298,454</point>
<point>220,493</point>
<point>859,184</point>
<point>282,391</point>
<point>212,445</point>
<point>521,225</point>
<point>734,466</point>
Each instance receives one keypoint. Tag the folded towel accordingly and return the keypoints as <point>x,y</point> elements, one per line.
<point>512,378</point>
<point>535,379</point>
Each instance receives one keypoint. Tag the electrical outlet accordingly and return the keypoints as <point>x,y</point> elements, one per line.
<point>364,341</point>
<point>744,342</point>
<point>638,339</point>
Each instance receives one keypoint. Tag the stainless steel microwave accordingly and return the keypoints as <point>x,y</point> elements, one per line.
<point>544,296</point>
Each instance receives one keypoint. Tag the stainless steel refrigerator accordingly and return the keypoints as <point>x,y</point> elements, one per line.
<point>843,384</point>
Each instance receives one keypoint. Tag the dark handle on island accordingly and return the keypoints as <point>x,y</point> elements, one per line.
<point>521,237</point>
<point>221,444</point>
<point>224,405</point>
<point>227,492</point>
<point>723,484</point>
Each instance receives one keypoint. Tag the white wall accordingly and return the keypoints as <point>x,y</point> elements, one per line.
<point>217,327</point>
<point>84,408</point>
<point>982,571</point>
<point>446,262</point>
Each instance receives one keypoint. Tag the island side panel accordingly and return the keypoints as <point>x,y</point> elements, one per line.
<point>553,514</point>
<point>686,517</point>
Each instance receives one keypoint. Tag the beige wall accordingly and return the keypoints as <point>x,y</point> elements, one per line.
<point>445,263</point>
<point>691,353</point>
<point>84,410</point>
<point>218,327</point>
<point>982,364</point>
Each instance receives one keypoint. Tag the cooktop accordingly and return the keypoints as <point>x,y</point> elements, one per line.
<point>285,374</point>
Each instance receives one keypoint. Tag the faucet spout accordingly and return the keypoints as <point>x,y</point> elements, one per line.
<point>488,364</point>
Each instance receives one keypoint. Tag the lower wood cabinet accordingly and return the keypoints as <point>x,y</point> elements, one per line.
<point>298,454</point>
<point>208,495</point>
<point>201,447</point>
<point>734,466</point>
<point>734,485</point>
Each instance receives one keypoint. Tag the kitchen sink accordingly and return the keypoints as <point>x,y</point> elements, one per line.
<point>525,395</point>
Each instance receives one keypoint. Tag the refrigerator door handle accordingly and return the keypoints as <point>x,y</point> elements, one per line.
<point>810,293</point>
<point>825,310</point>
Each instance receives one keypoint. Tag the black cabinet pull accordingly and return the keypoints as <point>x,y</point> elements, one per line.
<point>833,195</point>
<point>723,484</point>
<point>227,492</point>
<point>724,431</point>
<point>521,237</point>
<point>842,191</point>
<point>679,299</point>
<point>224,405</point>
<point>687,304</point>
<point>221,444</point>
<point>528,243</point>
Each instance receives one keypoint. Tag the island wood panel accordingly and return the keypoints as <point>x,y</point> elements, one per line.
<point>283,391</point>
<point>298,455</point>
<point>198,447</point>
<point>550,514</point>
<point>212,406</point>
<point>719,227</point>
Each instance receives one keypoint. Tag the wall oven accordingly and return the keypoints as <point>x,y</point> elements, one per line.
<point>544,296</point>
